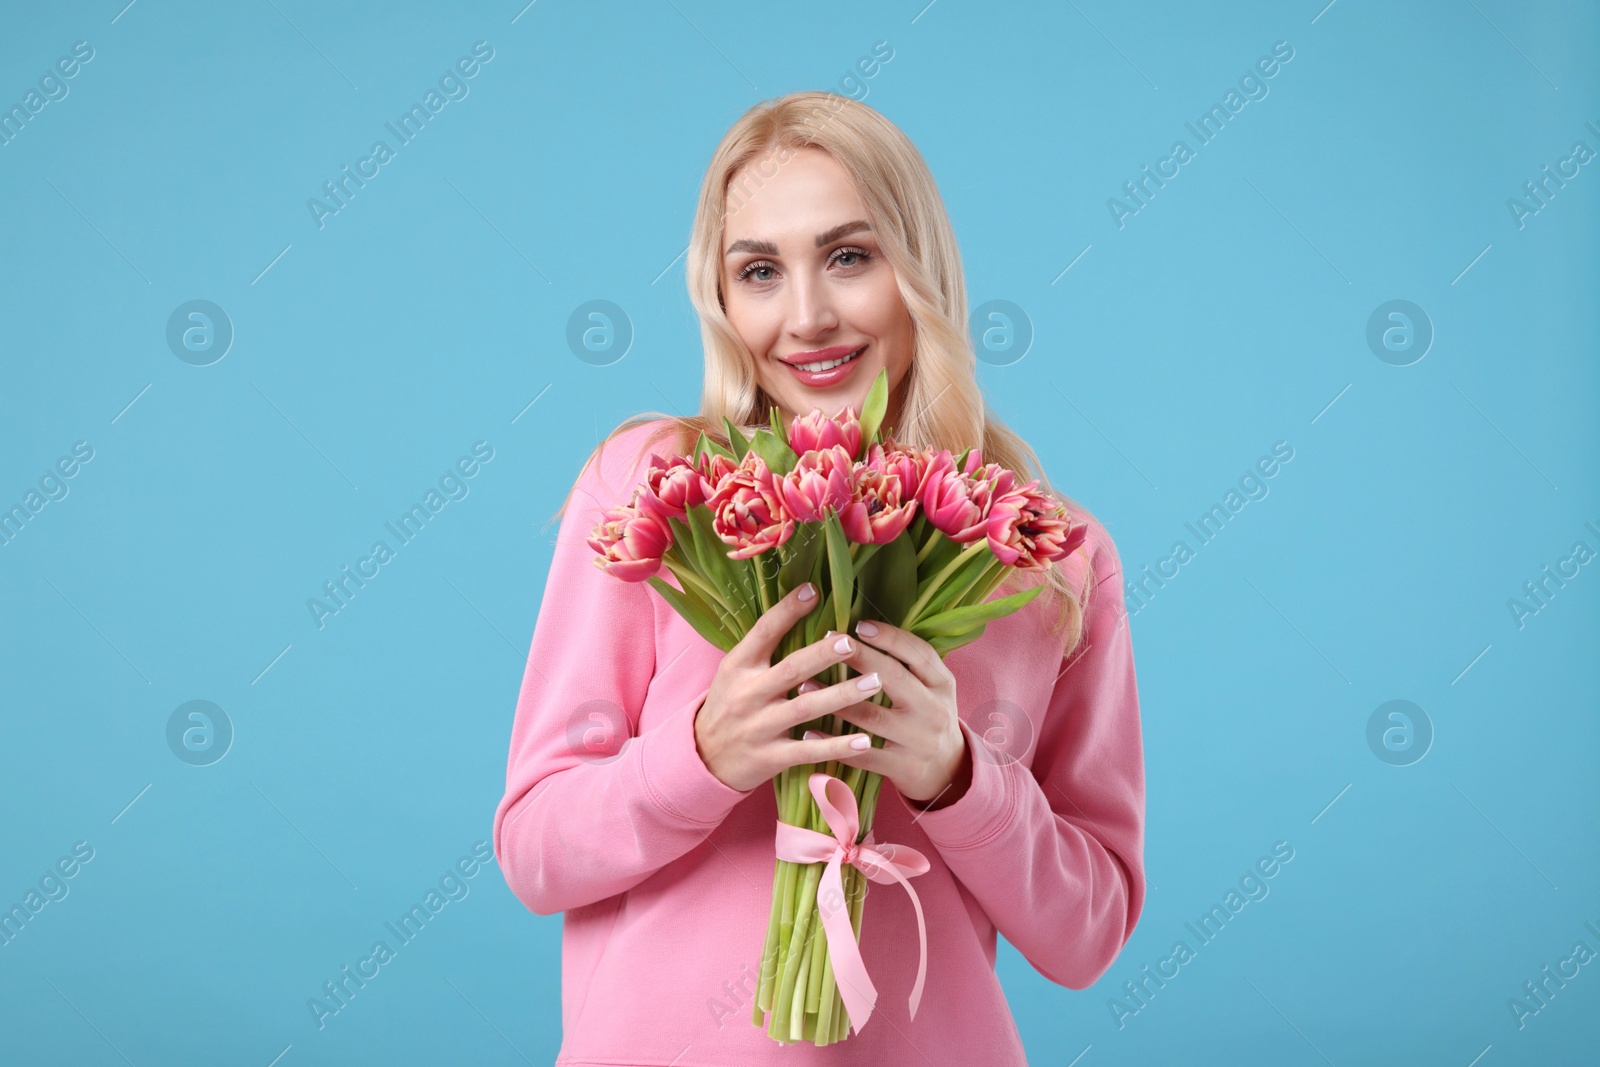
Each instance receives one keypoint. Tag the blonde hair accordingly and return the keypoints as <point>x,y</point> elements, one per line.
<point>943,405</point>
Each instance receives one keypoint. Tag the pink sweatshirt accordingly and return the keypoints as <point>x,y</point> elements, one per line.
<point>664,873</point>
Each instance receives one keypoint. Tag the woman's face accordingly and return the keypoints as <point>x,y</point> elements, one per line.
<point>804,282</point>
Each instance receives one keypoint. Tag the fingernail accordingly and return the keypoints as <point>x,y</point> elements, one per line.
<point>808,591</point>
<point>867,681</point>
<point>812,735</point>
<point>808,685</point>
<point>860,742</point>
<point>866,629</point>
<point>842,645</point>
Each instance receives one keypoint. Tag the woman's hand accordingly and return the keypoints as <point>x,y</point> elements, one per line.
<point>925,752</point>
<point>743,727</point>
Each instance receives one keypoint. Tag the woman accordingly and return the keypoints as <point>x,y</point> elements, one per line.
<point>637,797</point>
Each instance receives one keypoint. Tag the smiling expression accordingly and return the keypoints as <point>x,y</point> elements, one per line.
<point>804,281</point>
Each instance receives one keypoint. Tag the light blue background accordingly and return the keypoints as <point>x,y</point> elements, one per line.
<point>1228,314</point>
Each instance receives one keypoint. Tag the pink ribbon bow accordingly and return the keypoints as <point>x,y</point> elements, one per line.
<point>879,862</point>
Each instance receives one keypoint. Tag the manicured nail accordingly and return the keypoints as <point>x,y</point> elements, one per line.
<point>866,629</point>
<point>809,685</point>
<point>860,742</point>
<point>808,591</point>
<point>868,681</point>
<point>842,645</point>
<point>812,735</point>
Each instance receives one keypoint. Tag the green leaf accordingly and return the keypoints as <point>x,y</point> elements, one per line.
<point>706,444</point>
<point>779,457</point>
<point>919,527</point>
<point>939,557</point>
<point>702,552</point>
<point>697,597</point>
<point>736,439</point>
<point>777,425</point>
<point>958,620</point>
<point>841,572</point>
<point>958,583</point>
<point>744,574</point>
<point>889,582</point>
<point>873,409</point>
<point>713,564</point>
<point>693,615</point>
<point>946,645</point>
<point>683,540</point>
<point>800,555</point>
<point>814,621</point>
<point>686,532</point>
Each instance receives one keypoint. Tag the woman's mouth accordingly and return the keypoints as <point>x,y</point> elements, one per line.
<point>826,372</point>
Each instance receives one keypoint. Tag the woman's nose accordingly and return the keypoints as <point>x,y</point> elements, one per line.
<point>812,313</point>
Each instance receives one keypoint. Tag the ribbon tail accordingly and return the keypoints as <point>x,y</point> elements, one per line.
<point>860,996</point>
<point>922,936</point>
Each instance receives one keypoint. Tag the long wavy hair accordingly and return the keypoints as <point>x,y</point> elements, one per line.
<point>941,404</point>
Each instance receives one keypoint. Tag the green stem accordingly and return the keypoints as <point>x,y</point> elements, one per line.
<point>956,593</point>
<point>990,584</point>
<point>769,951</point>
<point>918,525</point>
<point>687,576</point>
<point>869,801</point>
<point>802,906</point>
<point>830,997</point>
<point>819,955</point>
<point>935,536</point>
<point>966,554</point>
<point>762,590</point>
<point>797,985</point>
<point>797,1009</point>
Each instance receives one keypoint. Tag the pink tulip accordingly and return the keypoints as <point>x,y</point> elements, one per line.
<point>878,511</point>
<point>1055,538</point>
<point>714,468</point>
<point>956,502</point>
<point>671,487</point>
<point>747,509</point>
<point>630,542</point>
<point>815,432</point>
<point>819,485</point>
<point>1029,530</point>
<point>908,464</point>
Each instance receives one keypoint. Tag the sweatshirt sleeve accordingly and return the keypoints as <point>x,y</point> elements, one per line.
<point>592,807</point>
<point>1055,853</point>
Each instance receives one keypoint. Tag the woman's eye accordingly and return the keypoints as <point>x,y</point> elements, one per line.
<point>846,258</point>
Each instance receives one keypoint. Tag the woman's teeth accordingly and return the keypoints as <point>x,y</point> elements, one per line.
<point>828,364</point>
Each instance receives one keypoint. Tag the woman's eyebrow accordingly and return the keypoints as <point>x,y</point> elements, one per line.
<point>842,230</point>
<point>767,248</point>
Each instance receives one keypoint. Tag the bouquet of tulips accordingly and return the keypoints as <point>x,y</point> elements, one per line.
<point>917,537</point>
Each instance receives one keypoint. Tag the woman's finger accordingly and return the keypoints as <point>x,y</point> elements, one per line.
<point>887,723</point>
<point>755,648</point>
<point>917,654</point>
<point>897,680</point>
<point>809,661</point>
<point>820,748</point>
<point>814,703</point>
